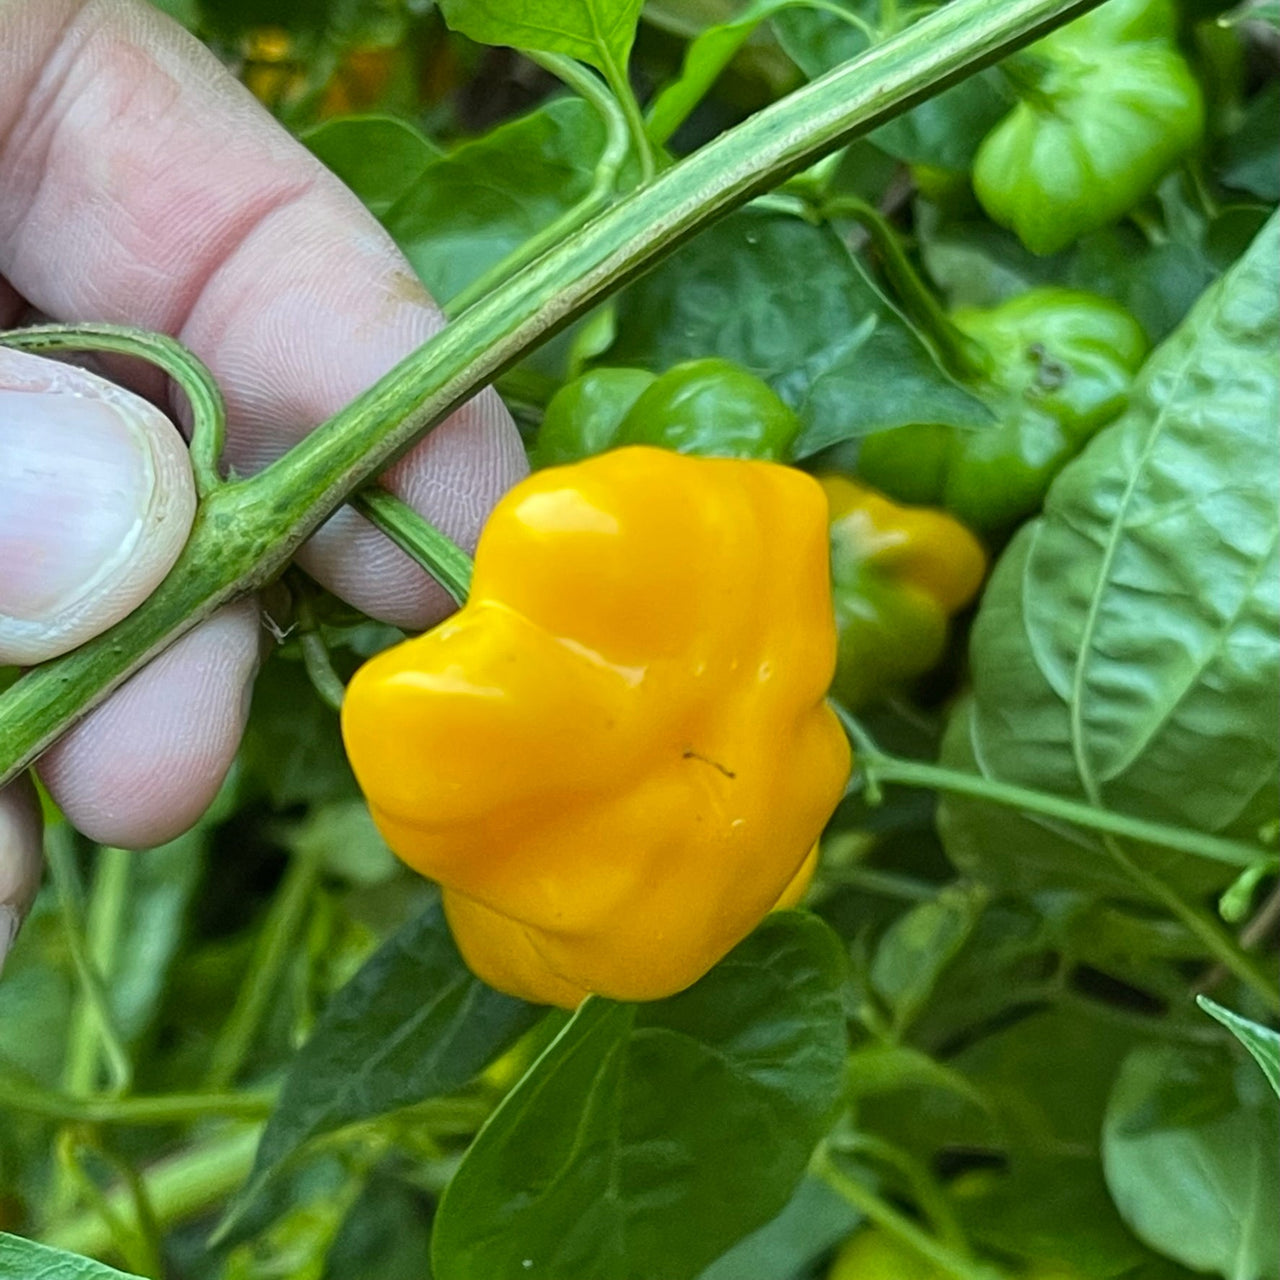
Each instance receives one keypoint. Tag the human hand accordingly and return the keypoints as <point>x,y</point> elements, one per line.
<point>140,184</point>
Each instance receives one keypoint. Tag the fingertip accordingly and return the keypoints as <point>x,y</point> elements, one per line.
<point>142,768</point>
<point>96,503</point>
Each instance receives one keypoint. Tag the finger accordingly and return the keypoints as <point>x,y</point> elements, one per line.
<point>145,765</point>
<point>96,502</point>
<point>143,185</point>
<point>19,858</point>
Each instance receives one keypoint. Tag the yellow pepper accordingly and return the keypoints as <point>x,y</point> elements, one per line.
<point>617,757</point>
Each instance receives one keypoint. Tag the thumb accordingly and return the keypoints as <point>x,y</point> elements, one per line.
<point>96,501</point>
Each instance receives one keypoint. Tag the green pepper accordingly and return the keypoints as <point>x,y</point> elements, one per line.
<point>582,418</point>
<point>1059,367</point>
<point>714,408</point>
<point>898,574</point>
<point>710,407</point>
<point>1108,105</point>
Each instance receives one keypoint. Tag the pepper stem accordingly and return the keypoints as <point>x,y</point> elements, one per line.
<point>437,553</point>
<point>963,357</point>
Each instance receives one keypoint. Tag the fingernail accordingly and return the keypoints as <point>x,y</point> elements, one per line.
<point>75,480</point>
<point>9,921</point>
<point>95,503</point>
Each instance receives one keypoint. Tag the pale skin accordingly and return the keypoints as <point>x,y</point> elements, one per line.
<point>141,185</point>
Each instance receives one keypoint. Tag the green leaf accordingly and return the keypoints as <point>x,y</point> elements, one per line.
<point>919,945</point>
<point>1192,1162</point>
<point>25,1260</point>
<point>596,31</point>
<point>944,131</point>
<point>413,1024</point>
<point>1251,155</point>
<point>815,1219</point>
<point>1262,1042</point>
<point>378,157</point>
<point>788,302</point>
<point>648,1138</point>
<point>706,57</point>
<point>1138,619</point>
<point>470,208</point>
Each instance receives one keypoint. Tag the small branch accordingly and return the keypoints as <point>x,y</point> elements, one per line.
<point>438,554</point>
<point>879,767</point>
<point>208,411</point>
<point>898,1225</point>
<point>617,142</point>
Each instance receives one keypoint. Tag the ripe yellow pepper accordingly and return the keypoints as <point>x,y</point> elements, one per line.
<point>617,757</point>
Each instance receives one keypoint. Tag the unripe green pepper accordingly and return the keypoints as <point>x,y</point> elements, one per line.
<point>1060,365</point>
<point>710,407</point>
<point>1108,105</point>
<point>898,574</point>
<point>583,416</point>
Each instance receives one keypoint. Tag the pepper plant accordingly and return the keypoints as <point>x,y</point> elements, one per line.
<point>1017,260</point>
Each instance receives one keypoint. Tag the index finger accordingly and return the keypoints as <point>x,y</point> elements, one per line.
<point>142,185</point>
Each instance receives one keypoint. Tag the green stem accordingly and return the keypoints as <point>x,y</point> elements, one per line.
<point>315,653</point>
<point>163,1109</point>
<point>93,1030</point>
<point>924,1187</point>
<point>247,530</point>
<point>898,1225</point>
<point>208,412</point>
<point>276,944</point>
<point>617,141</point>
<point>882,768</point>
<point>616,77</point>
<point>963,357</point>
<point>179,1188</point>
<point>1215,939</point>
<point>438,554</point>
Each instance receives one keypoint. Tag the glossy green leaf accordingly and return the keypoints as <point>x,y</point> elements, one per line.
<point>1191,1159</point>
<point>470,208</point>
<point>25,1260</point>
<point>1262,1042</point>
<point>943,132</point>
<point>706,57</point>
<point>596,31</point>
<point>413,1024</point>
<point>919,945</point>
<point>648,1138</point>
<point>788,302</point>
<point>1139,618</point>
<point>378,157</point>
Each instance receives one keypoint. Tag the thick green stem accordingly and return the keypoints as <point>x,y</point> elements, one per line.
<point>247,531</point>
